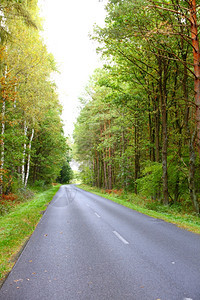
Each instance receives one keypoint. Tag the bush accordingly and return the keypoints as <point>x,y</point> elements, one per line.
<point>38,185</point>
<point>151,181</point>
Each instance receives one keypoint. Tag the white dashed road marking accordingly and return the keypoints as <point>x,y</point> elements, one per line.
<point>98,216</point>
<point>120,237</point>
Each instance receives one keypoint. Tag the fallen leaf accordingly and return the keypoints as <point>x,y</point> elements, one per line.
<point>17,280</point>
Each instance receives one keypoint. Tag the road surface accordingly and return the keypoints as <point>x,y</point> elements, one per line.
<point>89,248</point>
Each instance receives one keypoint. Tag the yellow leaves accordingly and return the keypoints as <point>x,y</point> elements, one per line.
<point>7,84</point>
<point>2,53</point>
<point>17,280</point>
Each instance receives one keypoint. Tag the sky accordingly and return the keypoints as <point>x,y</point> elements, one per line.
<point>67,24</point>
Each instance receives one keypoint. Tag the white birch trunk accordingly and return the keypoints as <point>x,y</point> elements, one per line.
<point>24,154</point>
<point>29,158</point>
<point>3,111</point>
<point>2,144</point>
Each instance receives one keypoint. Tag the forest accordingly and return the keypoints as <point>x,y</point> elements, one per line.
<point>33,147</point>
<point>139,123</point>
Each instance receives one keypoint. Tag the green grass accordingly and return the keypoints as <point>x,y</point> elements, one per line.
<point>172,214</point>
<point>17,226</point>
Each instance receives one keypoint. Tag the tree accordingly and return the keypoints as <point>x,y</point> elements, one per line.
<point>148,83</point>
<point>66,173</point>
<point>32,140</point>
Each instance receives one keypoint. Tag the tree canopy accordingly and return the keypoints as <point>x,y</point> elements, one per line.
<point>143,110</point>
<point>33,145</point>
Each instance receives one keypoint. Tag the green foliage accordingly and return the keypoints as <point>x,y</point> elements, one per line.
<point>50,147</point>
<point>66,174</point>
<point>18,225</point>
<point>151,179</point>
<point>34,146</point>
<point>140,108</point>
<point>86,175</point>
<point>39,185</point>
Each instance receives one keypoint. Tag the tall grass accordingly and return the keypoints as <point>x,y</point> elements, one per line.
<point>17,225</point>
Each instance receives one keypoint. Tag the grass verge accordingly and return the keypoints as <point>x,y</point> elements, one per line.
<point>171,214</point>
<point>17,226</point>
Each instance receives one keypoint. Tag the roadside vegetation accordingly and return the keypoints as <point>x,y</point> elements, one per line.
<point>182,216</point>
<point>139,126</point>
<point>33,147</point>
<point>18,223</point>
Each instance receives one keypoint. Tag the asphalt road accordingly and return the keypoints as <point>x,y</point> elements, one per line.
<point>86,247</point>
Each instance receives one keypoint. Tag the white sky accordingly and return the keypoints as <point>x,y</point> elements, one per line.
<point>66,28</point>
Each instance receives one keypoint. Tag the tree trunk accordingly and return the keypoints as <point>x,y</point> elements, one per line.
<point>24,153</point>
<point>105,161</point>
<point>29,158</point>
<point>178,128</point>
<point>94,172</point>
<point>163,100</point>
<point>190,138</point>
<point>157,129</point>
<point>110,171</point>
<point>192,157</point>
<point>2,144</point>
<point>151,135</point>
<point>191,177</point>
<point>110,162</point>
<point>98,169</point>
<point>105,172</point>
<point>164,154</point>
<point>123,170</point>
<point>196,59</point>
<point>137,157</point>
<point>3,111</point>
